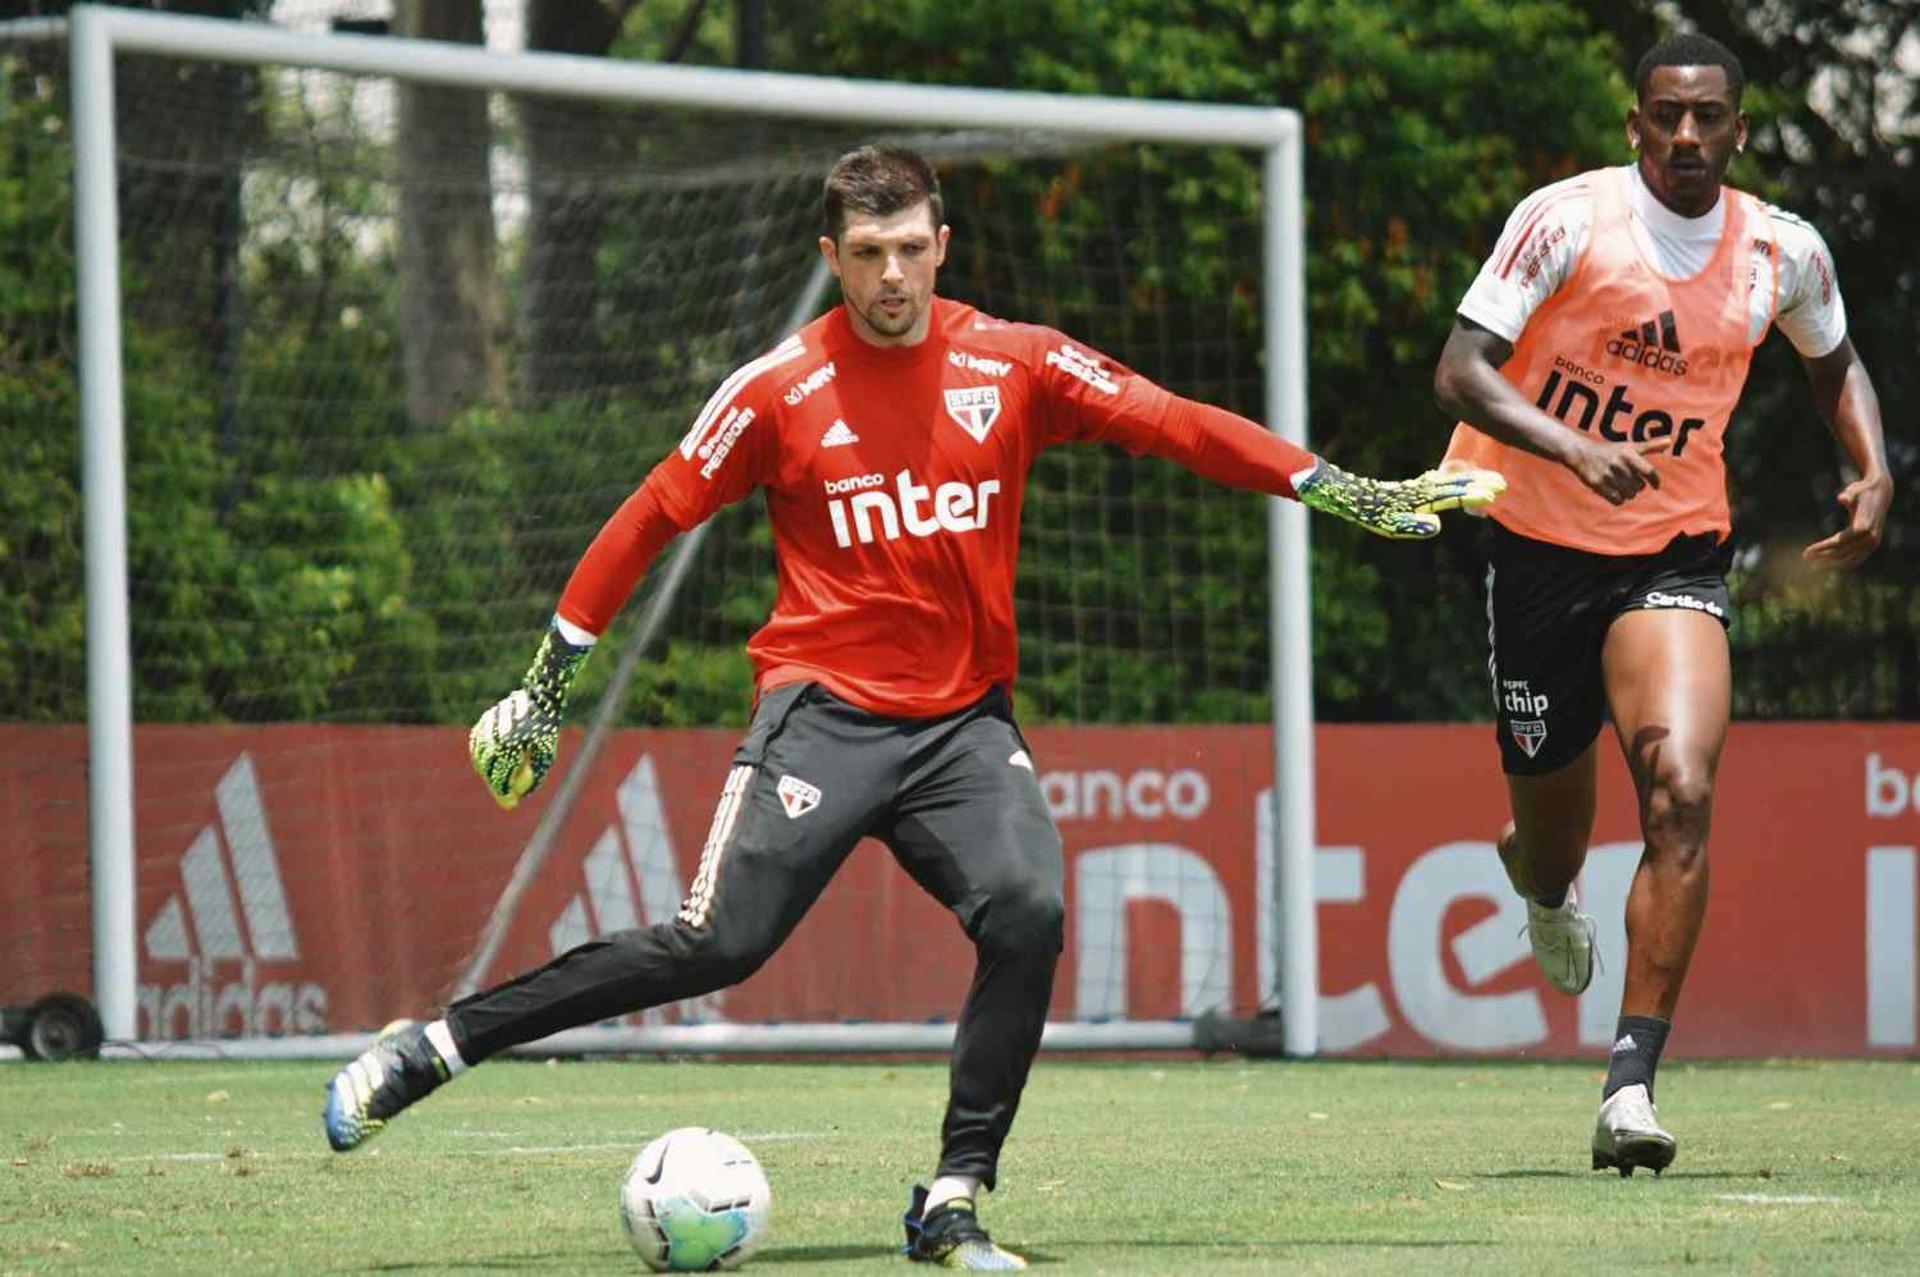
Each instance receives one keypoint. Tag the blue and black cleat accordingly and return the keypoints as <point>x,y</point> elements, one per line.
<point>399,1068</point>
<point>952,1237</point>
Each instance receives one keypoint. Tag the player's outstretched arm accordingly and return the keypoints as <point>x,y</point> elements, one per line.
<point>514,743</point>
<point>1399,509</point>
<point>1227,448</point>
<point>1107,402</point>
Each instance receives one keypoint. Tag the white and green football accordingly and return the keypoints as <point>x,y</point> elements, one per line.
<point>695,1200</point>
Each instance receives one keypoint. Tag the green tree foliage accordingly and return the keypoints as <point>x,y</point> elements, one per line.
<point>261,585</point>
<point>41,624</point>
<point>1426,123</point>
<point>173,544</point>
<point>347,567</point>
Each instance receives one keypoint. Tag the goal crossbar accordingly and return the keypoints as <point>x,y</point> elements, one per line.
<point>709,88</point>
<point>95,34</point>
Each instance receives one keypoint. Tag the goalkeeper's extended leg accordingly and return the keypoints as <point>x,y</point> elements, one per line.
<point>759,873</point>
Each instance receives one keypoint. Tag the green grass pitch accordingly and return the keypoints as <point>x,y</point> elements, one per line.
<point>1215,1166</point>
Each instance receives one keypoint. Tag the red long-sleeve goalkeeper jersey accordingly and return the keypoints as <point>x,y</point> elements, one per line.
<point>894,478</point>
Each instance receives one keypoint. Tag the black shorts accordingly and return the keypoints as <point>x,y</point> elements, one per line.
<point>1549,609</point>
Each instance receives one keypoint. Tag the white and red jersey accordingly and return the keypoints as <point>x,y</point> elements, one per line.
<point>894,478</point>
<point>1632,324</point>
<point>1791,286</point>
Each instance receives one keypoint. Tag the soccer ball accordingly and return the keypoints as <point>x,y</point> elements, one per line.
<point>694,1201</point>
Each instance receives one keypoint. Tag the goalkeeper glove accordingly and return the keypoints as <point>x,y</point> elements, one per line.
<point>1399,509</point>
<point>514,743</point>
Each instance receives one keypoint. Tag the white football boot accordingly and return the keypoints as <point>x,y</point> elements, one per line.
<point>1562,941</point>
<point>1562,938</point>
<point>1628,1134</point>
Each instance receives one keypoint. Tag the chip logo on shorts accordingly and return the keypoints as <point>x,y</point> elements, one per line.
<point>1529,733</point>
<point>797,796</point>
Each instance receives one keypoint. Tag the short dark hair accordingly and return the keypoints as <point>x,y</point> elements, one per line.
<point>1690,49</point>
<point>878,181</point>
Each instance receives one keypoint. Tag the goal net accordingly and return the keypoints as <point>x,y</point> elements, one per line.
<point>391,349</point>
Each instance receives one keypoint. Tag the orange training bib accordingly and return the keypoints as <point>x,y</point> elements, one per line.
<point>1628,355</point>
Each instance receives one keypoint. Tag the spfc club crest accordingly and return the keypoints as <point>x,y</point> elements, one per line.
<point>974,409</point>
<point>1528,733</point>
<point>797,796</point>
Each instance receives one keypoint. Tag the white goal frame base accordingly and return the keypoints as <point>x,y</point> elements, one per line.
<point>684,1039</point>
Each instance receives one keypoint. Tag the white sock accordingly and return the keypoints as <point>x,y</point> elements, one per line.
<point>948,1187</point>
<point>442,1038</point>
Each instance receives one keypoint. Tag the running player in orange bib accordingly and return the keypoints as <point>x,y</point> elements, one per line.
<point>1595,362</point>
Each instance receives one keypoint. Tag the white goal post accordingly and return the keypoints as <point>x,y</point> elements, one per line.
<point>97,34</point>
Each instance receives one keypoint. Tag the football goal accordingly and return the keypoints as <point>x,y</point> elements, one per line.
<point>372,334</point>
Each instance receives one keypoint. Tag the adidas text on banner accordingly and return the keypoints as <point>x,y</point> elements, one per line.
<point>224,950</point>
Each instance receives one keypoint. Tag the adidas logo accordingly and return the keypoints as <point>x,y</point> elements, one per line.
<point>1625,1045</point>
<point>228,862</point>
<point>635,853</point>
<point>1654,344</point>
<point>838,435</point>
<point>1667,337</point>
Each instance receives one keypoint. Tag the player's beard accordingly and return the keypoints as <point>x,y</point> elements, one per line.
<point>897,324</point>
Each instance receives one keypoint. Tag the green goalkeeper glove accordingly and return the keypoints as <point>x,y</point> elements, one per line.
<point>514,743</point>
<point>1399,509</point>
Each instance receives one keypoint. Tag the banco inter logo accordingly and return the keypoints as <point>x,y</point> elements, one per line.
<point>228,862</point>
<point>1653,344</point>
<point>1572,393</point>
<point>912,509</point>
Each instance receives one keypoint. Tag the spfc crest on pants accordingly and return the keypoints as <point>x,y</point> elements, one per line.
<point>1528,733</point>
<point>797,796</point>
<point>974,409</point>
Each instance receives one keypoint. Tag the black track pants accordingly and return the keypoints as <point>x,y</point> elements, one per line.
<point>957,801</point>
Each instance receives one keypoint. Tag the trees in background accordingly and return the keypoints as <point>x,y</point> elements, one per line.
<point>570,153</point>
<point>364,564</point>
<point>450,302</point>
<point>1426,122</point>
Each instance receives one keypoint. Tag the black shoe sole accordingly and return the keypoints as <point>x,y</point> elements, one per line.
<point>1654,1155</point>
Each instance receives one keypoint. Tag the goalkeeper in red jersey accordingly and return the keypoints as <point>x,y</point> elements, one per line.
<point>892,437</point>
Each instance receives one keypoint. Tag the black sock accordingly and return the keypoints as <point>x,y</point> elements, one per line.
<point>1636,1053</point>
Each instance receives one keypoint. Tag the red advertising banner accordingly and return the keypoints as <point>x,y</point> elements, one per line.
<point>306,879</point>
